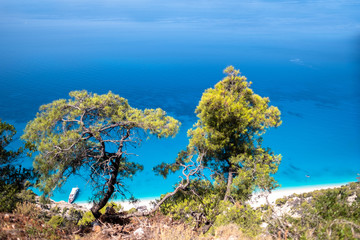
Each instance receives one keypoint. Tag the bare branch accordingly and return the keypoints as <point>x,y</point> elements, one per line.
<point>181,186</point>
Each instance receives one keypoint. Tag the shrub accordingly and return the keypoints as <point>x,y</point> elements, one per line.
<point>64,211</point>
<point>75,214</point>
<point>87,219</point>
<point>56,221</point>
<point>27,209</point>
<point>116,206</point>
<point>55,210</point>
<point>246,219</point>
<point>280,201</point>
<point>13,177</point>
<point>324,214</point>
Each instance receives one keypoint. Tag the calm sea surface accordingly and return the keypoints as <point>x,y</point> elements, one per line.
<point>303,55</point>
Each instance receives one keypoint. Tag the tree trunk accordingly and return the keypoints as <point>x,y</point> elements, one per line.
<point>228,187</point>
<point>112,180</point>
<point>181,186</point>
<point>110,190</point>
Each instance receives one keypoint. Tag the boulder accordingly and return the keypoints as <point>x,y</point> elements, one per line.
<point>139,233</point>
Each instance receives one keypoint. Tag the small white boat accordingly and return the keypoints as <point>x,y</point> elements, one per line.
<point>74,192</point>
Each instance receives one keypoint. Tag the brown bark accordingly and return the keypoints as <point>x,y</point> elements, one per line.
<point>112,180</point>
<point>228,187</point>
<point>110,190</point>
<point>181,186</point>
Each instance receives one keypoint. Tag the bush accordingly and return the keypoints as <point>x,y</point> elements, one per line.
<point>13,177</point>
<point>207,211</point>
<point>86,219</point>
<point>323,214</point>
<point>64,211</point>
<point>56,221</point>
<point>244,217</point>
<point>8,198</point>
<point>116,206</point>
<point>74,214</point>
<point>27,209</point>
<point>55,210</point>
<point>280,201</point>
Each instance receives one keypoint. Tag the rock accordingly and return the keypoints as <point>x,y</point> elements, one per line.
<point>139,233</point>
<point>96,227</point>
<point>352,199</point>
<point>264,225</point>
<point>142,209</point>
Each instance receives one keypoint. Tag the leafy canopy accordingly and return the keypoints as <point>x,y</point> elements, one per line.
<point>227,142</point>
<point>93,132</point>
<point>12,176</point>
<point>232,120</point>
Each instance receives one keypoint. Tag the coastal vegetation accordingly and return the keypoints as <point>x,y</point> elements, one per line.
<point>14,179</point>
<point>226,141</point>
<point>322,214</point>
<point>223,164</point>
<point>92,133</point>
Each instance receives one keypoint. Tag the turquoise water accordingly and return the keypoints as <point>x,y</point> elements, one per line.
<point>303,55</point>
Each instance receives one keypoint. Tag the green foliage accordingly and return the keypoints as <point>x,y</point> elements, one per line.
<point>56,221</point>
<point>64,211</point>
<point>280,201</point>
<point>207,207</point>
<point>27,195</point>
<point>232,119</point>
<point>8,199</point>
<point>75,215</point>
<point>7,132</point>
<point>116,206</point>
<point>227,141</point>
<point>55,210</point>
<point>323,214</point>
<point>132,210</point>
<point>247,219</point>
<point>13,178</point>
<point>195,209</point>
<point>41,233</point>
<point>86,219</point>
<point>92,131</point>
<point>43,201</point>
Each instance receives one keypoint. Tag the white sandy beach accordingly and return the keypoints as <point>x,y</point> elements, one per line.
<point>147,202</point>
<point>257,200</point>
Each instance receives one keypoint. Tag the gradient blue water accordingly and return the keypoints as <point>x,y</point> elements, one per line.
<point>304,55</point>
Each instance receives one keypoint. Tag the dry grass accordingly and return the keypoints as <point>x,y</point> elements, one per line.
<point>184,232</point>
<point>25,225</point>
<point>27,209</point>
<point>171,231</point>
<point>158,227</point>
<point>161,231</point>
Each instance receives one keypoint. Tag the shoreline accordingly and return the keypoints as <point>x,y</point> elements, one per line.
<point>256,200</point>
<point>126,204</point>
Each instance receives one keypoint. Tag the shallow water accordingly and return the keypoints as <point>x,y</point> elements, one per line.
<point>303,55</point>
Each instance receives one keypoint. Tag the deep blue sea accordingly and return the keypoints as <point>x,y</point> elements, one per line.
<point>303,55</point>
